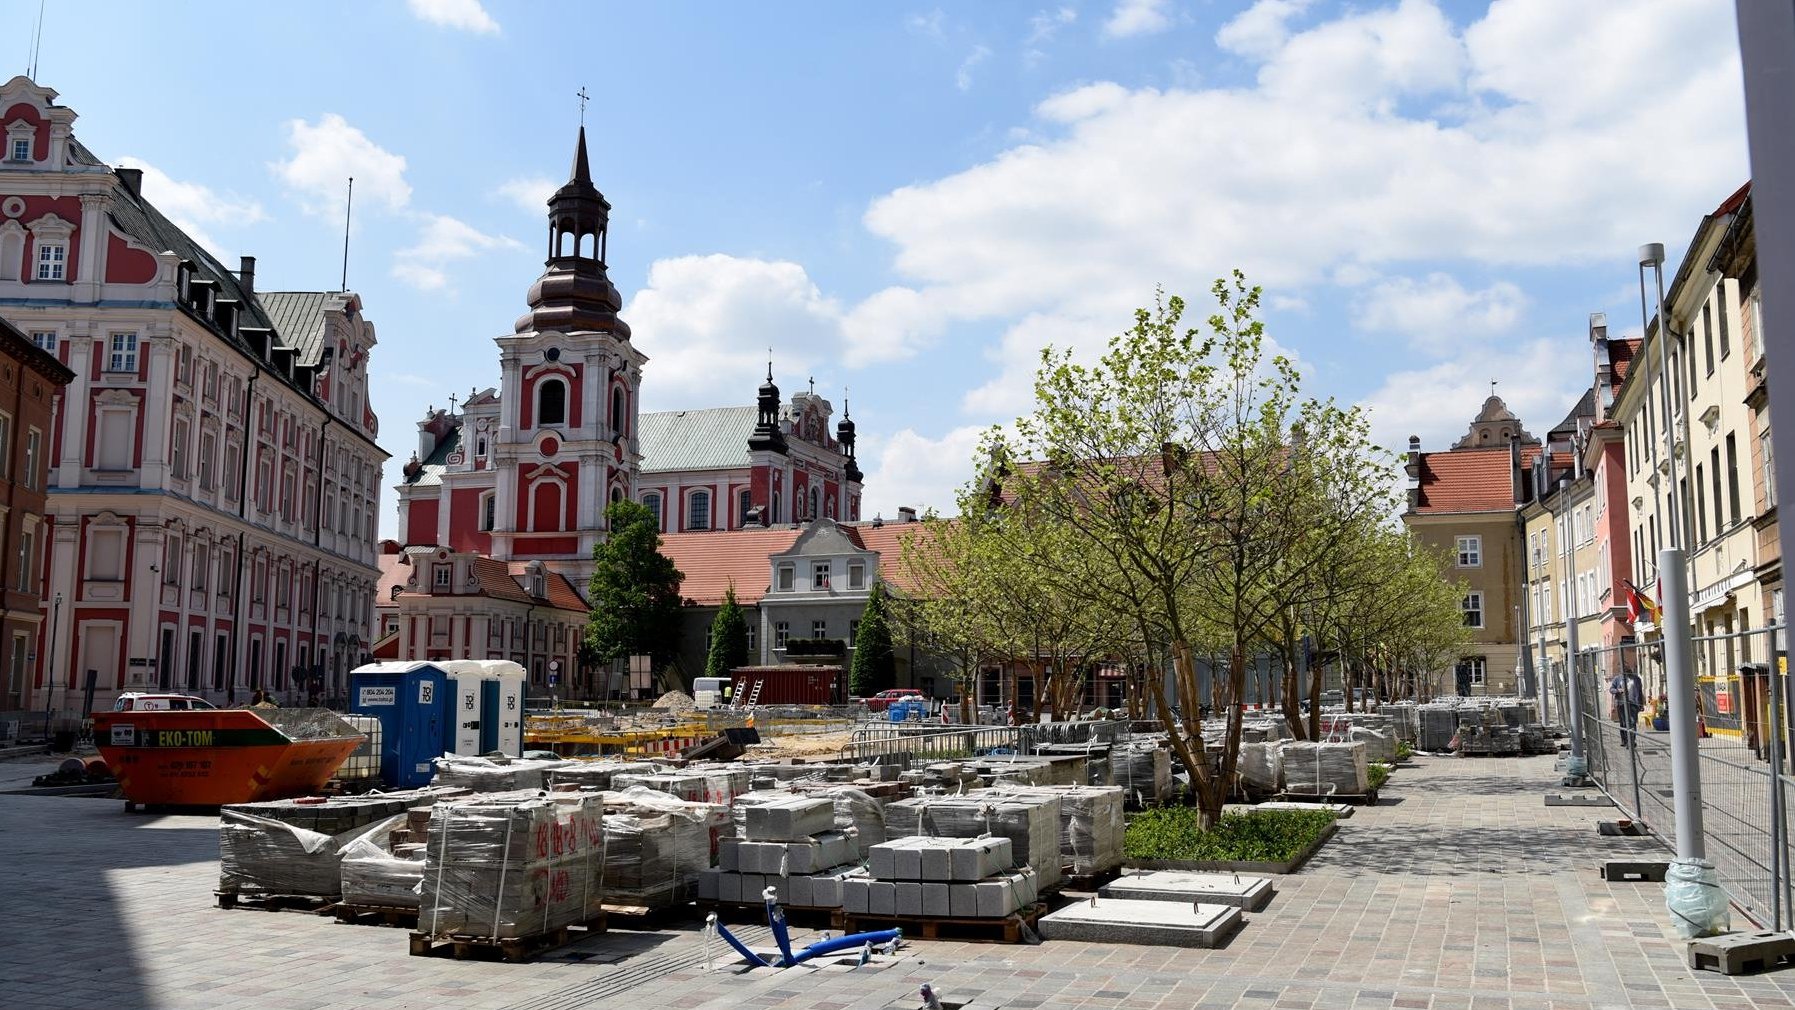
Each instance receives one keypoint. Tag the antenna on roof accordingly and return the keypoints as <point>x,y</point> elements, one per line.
<point>37,42</point>
<point>348,207</point>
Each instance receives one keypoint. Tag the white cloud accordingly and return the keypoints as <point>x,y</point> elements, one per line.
<point>194,207</point>
<point>932,24</point>
<point>1305,180</point>
<point>912,469</point>
<point>443,240</point>
<point>1437,313</point>
<point>530,192</point>
<point>326,154</point>
<point>1138,17</point>
<point>706,323</point>
<point>466,15</point>
<point>963,76</point>
<point>1539,380</point>
<point>1260,29</point>
<point>1046,24</point>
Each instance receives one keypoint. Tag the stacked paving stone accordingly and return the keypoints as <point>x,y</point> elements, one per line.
<point>294,847</point>
<point>1143,768</point>
<point>598,775</point>
<point>1261,767</point>
<point>791,844</point>
<point>697,784</point>
<point>1380,745</point>
<point>383,866</point>
<point>656,846</point>
<point>503,866</point>
<point>1326,769</point>
<point>957,878</point>
<point>947,776</point>
<point>1030,820</point>
<point>493,775</point>
<point>1091,825</point>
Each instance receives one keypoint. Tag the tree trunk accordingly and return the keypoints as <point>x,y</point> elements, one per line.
<point>1199,773</point>
<point>1315,679</point>
<point>1293,716</point>
<point>1214,796</point>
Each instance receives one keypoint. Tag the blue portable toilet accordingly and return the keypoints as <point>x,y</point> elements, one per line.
<point>411,701</point>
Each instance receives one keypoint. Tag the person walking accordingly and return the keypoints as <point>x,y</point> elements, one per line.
<point>1627,694</point>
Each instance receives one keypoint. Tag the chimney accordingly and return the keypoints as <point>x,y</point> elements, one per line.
<point>246,275</point>
<point>132,180</point>
<point>1598,340</point>
<point>1413,469</point>
<point>906,514</point>
<point>1514,468</point>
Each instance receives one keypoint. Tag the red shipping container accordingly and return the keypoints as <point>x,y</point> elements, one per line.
<point>790,685</point>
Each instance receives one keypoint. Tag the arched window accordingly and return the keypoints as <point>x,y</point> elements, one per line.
<point>744,502</point>
<point>776,503</point>
<point>831,513</point>
<point>816,498</point>
<point>617,411</point>
<point>616,494</point>
<point>551,402</point>
<point>545,507</point>
<point>652,502</point>
<point>698,510</point>
<point>487,511</point>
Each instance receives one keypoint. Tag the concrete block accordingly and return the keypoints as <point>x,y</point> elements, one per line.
<point>1742,953</point>
<point>708,885</point>
<point>1249,893</point>
<point>752,883</point>
<point>792,819</point>
<point>974,859</point>
<point>826,888</point>
<point>882,898</point>
<point>909,863</point>
<point>962,900</point>
<point>881,860</point>
<point>1588,799</point>
<point>909,898</point>
<point>937,863</point>
<point>727,857</point>
<point>1153,923</point>
<point>856,895</point>
<point>996,898</point>
<point>781,886</point>
<point>798,891</point>
<point>935,900</point>
<point>729,887</point>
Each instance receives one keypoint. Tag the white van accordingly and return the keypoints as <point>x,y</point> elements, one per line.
<point>712,692</point>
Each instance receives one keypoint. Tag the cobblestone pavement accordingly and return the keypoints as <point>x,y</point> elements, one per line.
<point>1460,891</point>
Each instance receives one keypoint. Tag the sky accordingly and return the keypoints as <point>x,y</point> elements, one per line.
<point>907,201</point>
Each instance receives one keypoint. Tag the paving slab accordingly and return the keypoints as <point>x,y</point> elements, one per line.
<point>1150,923</point>
<point>1250,893</point>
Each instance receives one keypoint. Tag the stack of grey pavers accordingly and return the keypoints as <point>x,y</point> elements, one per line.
<point>1405,720</point>
<point>1485,731</point>
<point>293,847</point>
<point>598,775</point>
<point>1030,820</point>
<point>511,865</point>
<point>492,775</point>
<point>1438,725</point>
<point>1091,825</point>
<point>684,784</point>
<point>1261,768</point>
<point>1326,769</point>
<point>951,776</point>
<point>954,878</point>
<point>656,846</point>
<point>1143,768</point>
<point>1096,757</point>
<point>791,845</point>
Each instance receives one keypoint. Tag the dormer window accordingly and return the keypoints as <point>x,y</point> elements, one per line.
<point>442,576</point>
<point>21,136</point>
<point>787,574</point>
<point>819,575</point>
<point>21,149</point>
<point>856,575</point>
<point>50,260</point>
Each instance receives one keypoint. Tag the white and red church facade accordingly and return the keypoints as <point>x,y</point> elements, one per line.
<point>213,471</point>
<point>521,473</point>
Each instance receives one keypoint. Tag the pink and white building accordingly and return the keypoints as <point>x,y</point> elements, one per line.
<point>214,477</point>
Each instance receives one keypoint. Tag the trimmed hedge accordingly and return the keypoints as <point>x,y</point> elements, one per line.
<point>1272,836</point>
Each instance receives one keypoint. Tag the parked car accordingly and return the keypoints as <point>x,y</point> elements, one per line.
<point>882,701</point>
<point>132,701</point>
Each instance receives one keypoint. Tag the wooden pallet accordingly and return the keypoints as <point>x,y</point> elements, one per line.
<point>1008,929</point>
<point>376,915</point>
<point>514,949</point>
<point>1365,799</point>
<point>803,916</point>
<point>310,904</point>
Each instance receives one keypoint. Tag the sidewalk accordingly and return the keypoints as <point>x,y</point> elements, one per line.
<point>1460,891</point>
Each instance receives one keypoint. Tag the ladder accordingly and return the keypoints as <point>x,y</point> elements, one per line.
<point>753,693</point>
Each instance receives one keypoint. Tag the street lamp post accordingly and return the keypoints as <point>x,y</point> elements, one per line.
<point>50,665</point>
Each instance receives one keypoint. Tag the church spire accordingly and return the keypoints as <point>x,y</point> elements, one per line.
<point>574,292</point>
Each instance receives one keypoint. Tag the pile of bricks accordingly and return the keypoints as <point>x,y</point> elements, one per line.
<point>790,844</point>
<point>955,878</point>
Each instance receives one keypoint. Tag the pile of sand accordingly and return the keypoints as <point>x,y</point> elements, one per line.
<point>677,701</point>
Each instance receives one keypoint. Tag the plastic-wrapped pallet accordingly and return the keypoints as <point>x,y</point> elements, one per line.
<point>656,845</point>
<point>598,774</point>
<point>1262,766</point>
<point>1379,745</point>
<point>1326,769</point>
<point>723,783</point>
<point>489,775</point>
<point>373,873</point>
<point>1091,825</point>
<point>1438,725</point>
<point>686,785</point>
<point>260,855</point>
<point>513,866</point>
<point>1143,771</point>
<point>1031,821</point>
<point>853,809</point>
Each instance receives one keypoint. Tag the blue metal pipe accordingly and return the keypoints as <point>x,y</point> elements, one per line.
<point>822,947</point>
<point>776,922</point>
<point>753,959</point>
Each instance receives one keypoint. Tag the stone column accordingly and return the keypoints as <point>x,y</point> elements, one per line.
<point>59,641</point>
<point>74,405</point>
<point>91,271</point>
<point>156,403</point>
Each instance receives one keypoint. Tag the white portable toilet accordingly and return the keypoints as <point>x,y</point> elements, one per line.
<point>465,677</point>
<point>508,705</point>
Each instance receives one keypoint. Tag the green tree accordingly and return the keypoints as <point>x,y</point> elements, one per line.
<point>634,589</point>
<point>729,638</point>
<point>874,667</point>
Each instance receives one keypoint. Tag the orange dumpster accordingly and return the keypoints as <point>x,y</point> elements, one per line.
<point>211,757</point>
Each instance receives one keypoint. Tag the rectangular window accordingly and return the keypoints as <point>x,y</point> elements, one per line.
<point>787,574</point>
<point>442,576</point>
<point>698,510</point>
<point>27,561</point>
<point>226,573</point>
<point>178,458</point>
<point>208,450</point>
<point>819,629</point>
<point>45,340</point>
<point>856,575</point>
<point>33,440</point>
<point>1708,335</point>
<point>1726,336</point>
<point>782,633</point>
<point>1733,478</point>
<point>1472,609</point>
<point>1714,468</point>
<point>50,257</point>
<point>853,633</point>
<point>1701,507</point>
<point>1545,606</point>
<point>819,575</point>
<point>5,446</point>
<point>106,554</point>
<point>487,505</point>
<point>198,580</point>
<point>123,356</point>
<point>1769,471</point>
<point>21,149</point>
<point>1471,671</point>
<point>1470,552</point>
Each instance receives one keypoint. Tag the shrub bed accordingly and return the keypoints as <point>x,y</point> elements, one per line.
<point>1380,773</point>
<point>1271,836</point>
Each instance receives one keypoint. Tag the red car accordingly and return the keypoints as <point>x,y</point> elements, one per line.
<point>882,701</point>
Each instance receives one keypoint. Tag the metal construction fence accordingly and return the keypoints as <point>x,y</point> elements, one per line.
<point>1743,690</point>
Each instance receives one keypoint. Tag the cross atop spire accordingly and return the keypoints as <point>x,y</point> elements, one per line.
<point>584,98</point>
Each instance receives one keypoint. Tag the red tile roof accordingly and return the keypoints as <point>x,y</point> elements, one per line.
<point>712,561</point>
<point>1620,356</point>
<point>1469,480</point>
<point>393,573</point>
<point>1734,202</point>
